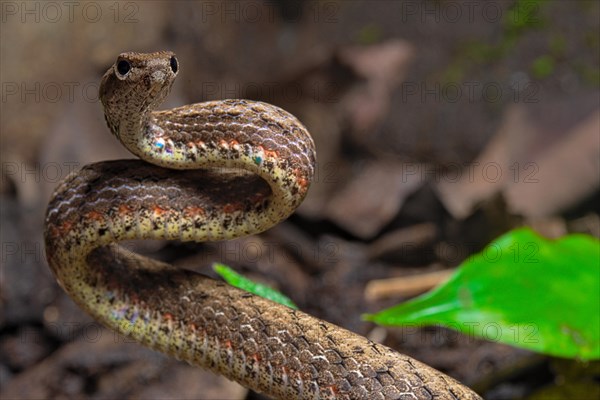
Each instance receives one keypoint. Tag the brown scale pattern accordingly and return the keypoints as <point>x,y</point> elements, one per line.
<point>265,346</point>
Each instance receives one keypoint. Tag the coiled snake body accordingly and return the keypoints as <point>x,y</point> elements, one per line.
<point>235,168</point>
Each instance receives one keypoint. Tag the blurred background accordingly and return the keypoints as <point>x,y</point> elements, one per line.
<point>439,125</point>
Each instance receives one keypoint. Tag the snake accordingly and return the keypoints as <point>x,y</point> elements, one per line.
<point>209,171</point>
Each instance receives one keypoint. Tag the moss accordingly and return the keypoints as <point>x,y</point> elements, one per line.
<point>558,45</point>
<point>542,66</point>
<point>369,34</point>
<point>590,75</point>
<point>523,15</point>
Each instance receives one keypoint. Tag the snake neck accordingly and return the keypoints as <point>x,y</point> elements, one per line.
<point>128,122</point>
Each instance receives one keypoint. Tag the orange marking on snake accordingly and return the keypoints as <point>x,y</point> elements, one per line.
<point>159,211</point>
<point>95,216</point>
<point>124,210</point>
<point>63,229</point>
<point>232,207</point>
<point>272,154</point>
<point>302,181</point>
<point>193,211</point>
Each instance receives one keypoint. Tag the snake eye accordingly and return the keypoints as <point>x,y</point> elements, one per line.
<point>123,67</point>
<point>174,64</point>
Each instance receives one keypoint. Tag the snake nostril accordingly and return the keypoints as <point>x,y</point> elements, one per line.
<point>174,64</point>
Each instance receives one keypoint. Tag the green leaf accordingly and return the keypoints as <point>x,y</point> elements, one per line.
<point>241,282</point>
<point>523,290</point>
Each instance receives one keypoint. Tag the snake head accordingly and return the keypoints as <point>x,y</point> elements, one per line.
<point>134,85</point>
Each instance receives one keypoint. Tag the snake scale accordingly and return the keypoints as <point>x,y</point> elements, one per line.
<point>212,171</point>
